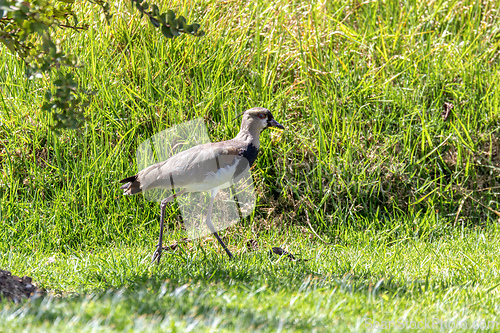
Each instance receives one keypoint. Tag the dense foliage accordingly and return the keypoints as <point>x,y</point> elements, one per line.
<point>390,156</point>
<point>27,30</point>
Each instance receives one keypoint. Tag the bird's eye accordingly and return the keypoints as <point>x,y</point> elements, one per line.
<point>261,116</point>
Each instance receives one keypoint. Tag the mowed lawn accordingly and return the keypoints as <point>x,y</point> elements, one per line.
<point>384,185</point>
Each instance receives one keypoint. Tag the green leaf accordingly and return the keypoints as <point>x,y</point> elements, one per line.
<point>195,27</point>
<point>166,31</point>
<point>38,27</point>
<point>163,18</point>
<point>156,10</point>
<point>46,106</point>
<point>48,95</point>
<point>9,44</point>
<point>181,22</point>
<point>154,21</point>
<point>170,16</point>
<point>145,5</point>
<point>173,28</point>
<point>47,44</point>
<point>188,28</point>
<point>53,52</point>
<point>75,19</point>
<point>24,8</point>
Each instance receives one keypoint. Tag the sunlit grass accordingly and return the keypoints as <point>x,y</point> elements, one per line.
<point>339,287</point>
<point>409,199</point>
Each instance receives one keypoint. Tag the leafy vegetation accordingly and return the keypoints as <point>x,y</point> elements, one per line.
<point>28,29</point>
<point>391,153</point>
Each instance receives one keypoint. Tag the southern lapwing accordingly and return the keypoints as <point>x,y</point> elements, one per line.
<point>206,167</point>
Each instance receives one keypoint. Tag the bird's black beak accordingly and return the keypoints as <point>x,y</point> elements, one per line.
<point>274,123</point>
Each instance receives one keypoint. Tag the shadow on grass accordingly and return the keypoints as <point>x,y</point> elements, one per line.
<point>206,290</point>
<point>251,271</point>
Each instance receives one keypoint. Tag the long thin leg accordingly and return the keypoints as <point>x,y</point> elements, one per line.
<point>163,205</point>
<point>211,226</point>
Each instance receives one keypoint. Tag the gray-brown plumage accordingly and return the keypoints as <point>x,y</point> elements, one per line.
<point>206,167</point>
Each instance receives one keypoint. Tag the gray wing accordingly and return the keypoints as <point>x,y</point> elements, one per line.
<point>188,167</point>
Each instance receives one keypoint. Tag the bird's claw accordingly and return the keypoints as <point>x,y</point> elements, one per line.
<point>157,254</point>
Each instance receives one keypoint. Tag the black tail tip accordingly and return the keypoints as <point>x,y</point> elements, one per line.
<point>131,186</point>
<point>128,180</point>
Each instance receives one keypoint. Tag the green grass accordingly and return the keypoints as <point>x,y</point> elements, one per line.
<point>367,161</point>
<point>339,288</point>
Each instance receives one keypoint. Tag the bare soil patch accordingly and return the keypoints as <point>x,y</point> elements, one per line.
<point>15,288</point>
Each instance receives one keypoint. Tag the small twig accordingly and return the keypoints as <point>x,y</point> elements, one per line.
<point>468,194</point>
<point>314,232</point>
<point>489,208</point>
<point>459,210</point>
<point>487,188</point>
<point>74,27</point>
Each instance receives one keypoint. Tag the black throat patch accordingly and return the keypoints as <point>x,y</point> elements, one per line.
<point>249,155</point>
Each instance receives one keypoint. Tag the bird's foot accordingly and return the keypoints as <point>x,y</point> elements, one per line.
<point>157,254</point>
<point>229,253</point>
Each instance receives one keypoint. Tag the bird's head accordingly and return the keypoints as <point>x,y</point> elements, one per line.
<point>258,119</point>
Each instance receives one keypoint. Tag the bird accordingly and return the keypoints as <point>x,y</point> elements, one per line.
<point>206,167</point>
